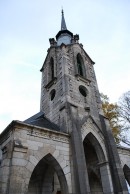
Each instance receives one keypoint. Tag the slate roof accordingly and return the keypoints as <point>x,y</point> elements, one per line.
<point>41,121</point>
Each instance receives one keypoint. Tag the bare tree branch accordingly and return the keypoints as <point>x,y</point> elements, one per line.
<point>124,117</point>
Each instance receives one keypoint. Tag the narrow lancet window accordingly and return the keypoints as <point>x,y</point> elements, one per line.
<point>80,65</point>
<point>51,69</point>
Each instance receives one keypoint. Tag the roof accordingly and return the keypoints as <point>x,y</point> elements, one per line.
<point>63,30</point>
<point>63,23</point>
<point>40,120</point>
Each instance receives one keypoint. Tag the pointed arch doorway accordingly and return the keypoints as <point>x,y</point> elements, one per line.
<point>126,171</point>
<point>47,178</point>
<point>97,167</point>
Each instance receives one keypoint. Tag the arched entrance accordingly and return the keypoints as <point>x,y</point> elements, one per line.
<point>98,169</point>
<point>47,178</point>
<point>126,171</point>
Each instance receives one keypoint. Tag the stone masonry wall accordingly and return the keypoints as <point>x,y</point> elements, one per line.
<point>66,86</point>
<point>124,154</point>
<point>30,145</point>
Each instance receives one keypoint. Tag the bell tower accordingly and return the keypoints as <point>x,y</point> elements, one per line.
<point>67,147</point>
<point>68,78</point>
<point>70,98</point>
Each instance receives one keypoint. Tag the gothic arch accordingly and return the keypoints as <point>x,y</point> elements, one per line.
<point>96,157</point>
<point>80,65</point>
<point>41,180</point>
<point>90,126</point>
<point>126,171</point>
<point>94,142</point>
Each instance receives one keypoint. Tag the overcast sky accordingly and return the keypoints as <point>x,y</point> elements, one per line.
<point>27,25</point>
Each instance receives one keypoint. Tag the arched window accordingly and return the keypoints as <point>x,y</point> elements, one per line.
<point>80,65</point>
<point>51,69</point>
<point>51,73</point>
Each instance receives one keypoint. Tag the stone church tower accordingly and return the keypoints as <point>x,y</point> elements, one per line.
<point>68,147</point>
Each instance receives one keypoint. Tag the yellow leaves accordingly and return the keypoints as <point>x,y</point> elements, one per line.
<point>111,112</point>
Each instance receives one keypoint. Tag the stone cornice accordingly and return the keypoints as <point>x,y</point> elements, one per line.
<point>31,130</point>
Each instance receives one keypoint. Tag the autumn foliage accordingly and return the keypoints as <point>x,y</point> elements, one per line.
<point>111,112</point>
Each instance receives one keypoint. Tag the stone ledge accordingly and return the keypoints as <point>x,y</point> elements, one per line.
<point>81,78</point>
<point>53,81</point>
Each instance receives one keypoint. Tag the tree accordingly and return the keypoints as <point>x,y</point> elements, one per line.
<point>111,112</point>
<point>124,113</point>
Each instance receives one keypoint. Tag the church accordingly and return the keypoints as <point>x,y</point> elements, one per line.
<point>68,147</point>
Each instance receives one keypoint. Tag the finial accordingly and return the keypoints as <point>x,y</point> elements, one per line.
<point>62,10</point>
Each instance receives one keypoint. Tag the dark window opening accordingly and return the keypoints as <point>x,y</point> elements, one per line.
<point>58,192</point>
<point>53,184</point>
<point>80,65</point>
<point>83,91</point>
<point>52,94</point>
<point>52,68</point>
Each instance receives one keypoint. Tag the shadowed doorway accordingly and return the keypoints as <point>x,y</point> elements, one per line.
<point>47,178</point>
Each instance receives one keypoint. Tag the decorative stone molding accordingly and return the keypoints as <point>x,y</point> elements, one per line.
<point>49,135</point>
<point>90,126</point>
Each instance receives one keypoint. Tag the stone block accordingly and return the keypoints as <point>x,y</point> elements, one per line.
<point>34,145</point>
<point>33,160</point>
<point>19,162</point>
<point>56,153</point>
<point>19,155</point>
<point>66,169</point>
<point>30,166</point>
<point>63,164</point>
<point>5,162</point>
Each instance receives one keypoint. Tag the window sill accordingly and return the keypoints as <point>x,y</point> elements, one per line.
<point>81,78</point>
<point>53,81</point>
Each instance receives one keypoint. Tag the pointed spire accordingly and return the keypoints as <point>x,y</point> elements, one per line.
<point>64,35</point>
<point>63,24</point>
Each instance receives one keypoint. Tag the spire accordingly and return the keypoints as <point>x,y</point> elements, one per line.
<point>64,35</point>
<point>63,24</point>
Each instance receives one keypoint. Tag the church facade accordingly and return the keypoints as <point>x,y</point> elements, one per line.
<point>68,147</point>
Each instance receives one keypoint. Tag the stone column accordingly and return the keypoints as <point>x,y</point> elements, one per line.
<point>5,167</point>
<point>106,178</point>
<point>80,169</point>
